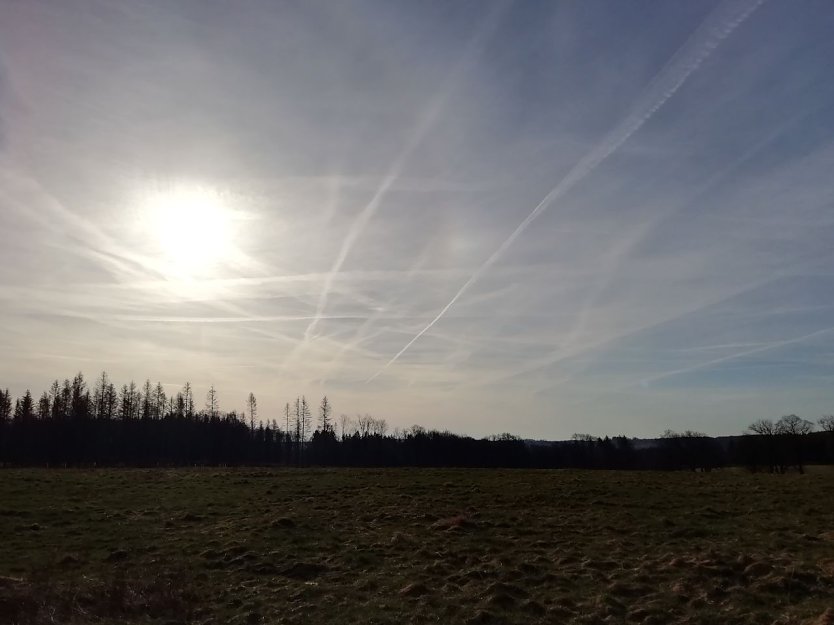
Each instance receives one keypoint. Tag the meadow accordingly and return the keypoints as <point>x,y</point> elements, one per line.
<point>252,546</point>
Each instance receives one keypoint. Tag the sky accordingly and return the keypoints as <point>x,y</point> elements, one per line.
<point>529,217</point>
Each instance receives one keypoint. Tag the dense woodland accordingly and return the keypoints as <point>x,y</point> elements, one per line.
<point>75,423</point>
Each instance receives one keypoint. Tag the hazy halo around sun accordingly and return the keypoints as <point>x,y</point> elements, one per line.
<point>191,228</point>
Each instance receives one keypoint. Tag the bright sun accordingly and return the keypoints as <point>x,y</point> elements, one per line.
<point>192,228</point>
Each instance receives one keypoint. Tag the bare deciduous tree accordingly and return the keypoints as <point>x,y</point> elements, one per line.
<point>684,434</point>
<point>344,422</point>
<point>581,437</point>
<point>765,427</point>
<point>414,430</point>
<point>363,424</point>
<point>785,438</point>
<point>795,429</point>
<point>794,426</point>
<point>378,427</point>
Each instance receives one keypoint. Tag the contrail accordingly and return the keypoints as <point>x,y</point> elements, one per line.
<point>713,30</point>
<point>426,122</point>
<point>741,354</point>
<point>653,223</point>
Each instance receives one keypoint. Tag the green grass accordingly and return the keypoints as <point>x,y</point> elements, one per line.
<point>414,546</point>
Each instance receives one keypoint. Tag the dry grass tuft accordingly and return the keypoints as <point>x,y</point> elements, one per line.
<point>283,522</point>
<point>451,523</point>
<point>45,600</point>
<point>826,618</point>
<point>117,555</point>
<point>304,570</point>
<point>415,589</point>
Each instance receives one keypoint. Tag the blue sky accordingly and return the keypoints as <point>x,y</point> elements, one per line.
<point>536,217</point>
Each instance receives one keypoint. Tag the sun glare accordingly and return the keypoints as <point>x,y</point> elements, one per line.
<point>193,231</point>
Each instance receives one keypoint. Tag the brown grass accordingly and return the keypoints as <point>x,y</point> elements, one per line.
<point>325,546</point>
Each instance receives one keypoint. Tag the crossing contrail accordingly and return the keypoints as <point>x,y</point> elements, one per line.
<point>717,26</point>
<point>736,355</point>
<point>426,122</point>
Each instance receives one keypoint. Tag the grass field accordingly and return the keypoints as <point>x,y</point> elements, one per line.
<point>415,546</point>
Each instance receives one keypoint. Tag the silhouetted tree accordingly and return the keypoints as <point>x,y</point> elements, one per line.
<point>44,408</point>
<point>159,401</point>
<point>188,400</point>
<point>55,399</point>
<point>378,427</point>
<point>80,398</point>
<point>769,451</point>
<point>826,424</point>
<point>363,425</point>
<point>794,430</point>
<point>287,432</point>
<point>98,395</point>
<point>253,410</point>
<point>212,405</point>
<point>306,414</point>
<point>177,409</point>
<point>298,427</point>
<point>5,406</point>
<point>147,400</point>
<point>344,421</point>
<point>5,418</point>
<point>129,402</point>
<point>583,438</point>
<point>688,449</point>
<point>325,410</point>
<point>24,409</point>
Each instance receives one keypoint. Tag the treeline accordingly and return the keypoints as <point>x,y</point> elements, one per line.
<point>789,444</point>
<point>74,423</point>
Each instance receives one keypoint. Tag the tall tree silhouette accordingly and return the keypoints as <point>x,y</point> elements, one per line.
<point>159,401</point>
<point>44,407</point>
<point>80,398</point>
<point>299,429</point>
<point>305,420</point>
<point>5,406</point>
<point>325,410</point>
<point>188,400</point>
<point>252,405</point>
<point>212,405</point>
<point>24,409</point>
<point>147,400</point>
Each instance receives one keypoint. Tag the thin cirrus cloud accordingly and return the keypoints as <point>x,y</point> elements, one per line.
<point>384,166</point>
